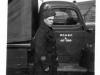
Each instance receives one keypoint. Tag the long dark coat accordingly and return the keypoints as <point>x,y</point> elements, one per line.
<point>45,51</point>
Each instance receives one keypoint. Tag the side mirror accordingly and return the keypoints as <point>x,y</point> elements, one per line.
<point>90,27</point>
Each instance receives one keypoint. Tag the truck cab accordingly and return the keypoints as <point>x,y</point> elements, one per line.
<point>70,30</point>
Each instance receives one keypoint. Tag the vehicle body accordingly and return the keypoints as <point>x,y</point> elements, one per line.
<point>70,38</point>
<point>71,32</point>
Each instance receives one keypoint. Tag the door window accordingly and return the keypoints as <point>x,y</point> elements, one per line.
<point>65,17</point>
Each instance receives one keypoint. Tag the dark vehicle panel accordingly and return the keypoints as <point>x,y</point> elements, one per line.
<point>69,36</point>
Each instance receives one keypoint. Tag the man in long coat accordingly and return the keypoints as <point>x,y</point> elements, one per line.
<point>45,49</point>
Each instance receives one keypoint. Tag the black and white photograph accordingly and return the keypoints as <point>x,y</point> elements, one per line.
<point>50,37</point>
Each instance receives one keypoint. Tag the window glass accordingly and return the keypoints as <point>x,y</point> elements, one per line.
<point>65,17</point>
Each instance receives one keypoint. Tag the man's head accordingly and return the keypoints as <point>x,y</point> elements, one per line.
<point>49,17</point>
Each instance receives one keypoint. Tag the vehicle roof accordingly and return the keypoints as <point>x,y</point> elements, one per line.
<point>45,5</point>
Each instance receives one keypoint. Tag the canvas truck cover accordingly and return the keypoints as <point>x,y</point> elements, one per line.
<point>19,21</point>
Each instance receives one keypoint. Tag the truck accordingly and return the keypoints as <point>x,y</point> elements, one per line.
<point>71,33</point>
